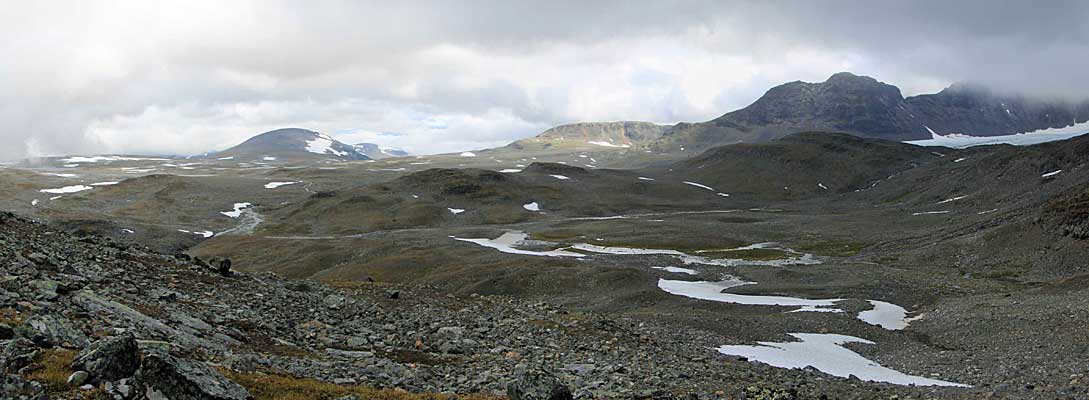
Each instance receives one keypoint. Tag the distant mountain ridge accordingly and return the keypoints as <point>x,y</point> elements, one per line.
<point>377,152</point>
<point>292,144</point>
<point>864,106</point>
<point>619,134</point>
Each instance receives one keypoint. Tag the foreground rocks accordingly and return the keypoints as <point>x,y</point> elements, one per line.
<point>144,325</point>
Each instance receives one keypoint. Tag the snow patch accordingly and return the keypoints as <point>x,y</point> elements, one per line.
<point>560,177</point>
<point>323,145</point>
<point>885,315</point>
<point>104,183</point>
<point>274,185</point>
<point>67,189</point>
<point>1051,174</point>
<point>456,211</point>
<point>237,212</point>
<point>1019,139</point>
<point>532,206</point>
<point>607,144</point>
<point>699,185</point>
<point>505,243</point>
<point>826,353</point>
<point>468,154</point>
<point>678,270</point>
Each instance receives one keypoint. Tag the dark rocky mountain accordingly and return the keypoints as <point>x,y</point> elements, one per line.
<point>292,144</point>
<point>864,106</point>
<point>376,152</point>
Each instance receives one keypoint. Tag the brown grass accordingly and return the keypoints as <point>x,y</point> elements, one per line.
<point>280,387</point>
<point>53,370</point>
<point>11,316</point>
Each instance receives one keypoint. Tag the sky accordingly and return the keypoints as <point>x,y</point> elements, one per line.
<point>186,77</point>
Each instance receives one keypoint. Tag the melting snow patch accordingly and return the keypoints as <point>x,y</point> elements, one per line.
<point>986,212</point>
<point>1051,174</point>
<point>468,154</point>
<point>822,186</point>
<point>698,185</point>
<point>62,175</point>
<point>1019,139</point>
<point>273,185</point>
<point>510,171</point>
<point>532,206</point>
<point>34,202</point>
<point>505,243</point>
<point>323,145</point>
<point>678,270</point>
<point>930,213</point>
<point>128,231</point>
<point>104,183</point>
<point>606,144</point>
<point>67,189</point>
<point>269,158</point>
<point>959,159</point>
<point>226,158</point>
<point>643,178</point>
<point>885,315</point>
<point>205,234</point>
<point>952,199</point>
<point>723,194</point>
<point>456,211</point>
<point>560,177</point>
<point>826,353</point>
<point>712,291</point>
<point>238,207</point>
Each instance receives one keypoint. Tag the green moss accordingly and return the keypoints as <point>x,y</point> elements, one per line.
<point>749,254</point>
<point>832,248</point>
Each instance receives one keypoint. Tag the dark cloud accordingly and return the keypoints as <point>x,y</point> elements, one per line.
<point>178,77</point>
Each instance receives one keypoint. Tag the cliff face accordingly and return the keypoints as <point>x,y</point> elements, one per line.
<point>864,106</point>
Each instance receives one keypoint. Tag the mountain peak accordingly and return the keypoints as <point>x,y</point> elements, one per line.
<point>293,143</point>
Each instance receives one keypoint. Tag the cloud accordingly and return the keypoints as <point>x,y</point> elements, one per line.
<point>188,77</point>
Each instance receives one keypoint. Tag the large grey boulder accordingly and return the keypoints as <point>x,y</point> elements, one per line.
<point>109,359</point>
<point>538,385</point>
<point>163,376</point>
<point>51,330</point>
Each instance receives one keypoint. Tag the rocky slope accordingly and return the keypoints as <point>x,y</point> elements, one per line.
<point>86,317</point>
<point>291,144</point>
<point>863,106</point>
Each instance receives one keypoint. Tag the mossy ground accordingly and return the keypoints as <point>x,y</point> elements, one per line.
<point>282,387</point>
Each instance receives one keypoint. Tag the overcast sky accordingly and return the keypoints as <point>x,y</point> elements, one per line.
<point>192,76</point>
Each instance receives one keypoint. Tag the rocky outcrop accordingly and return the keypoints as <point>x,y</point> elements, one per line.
<point>163,376</point>
<point>538,385</point>
<point>109,359</point>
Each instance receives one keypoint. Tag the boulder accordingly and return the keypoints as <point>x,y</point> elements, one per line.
<point>14,387</point>
<point>538,385</point>
<point>51,330</point>
<point>163,376</point>
<point>109,359</point>
<point>17,354</point>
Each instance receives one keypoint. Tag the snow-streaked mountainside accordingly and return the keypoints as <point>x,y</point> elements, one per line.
<point>864,106</point>
<point>292,144</point>
<point>377,152</point>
